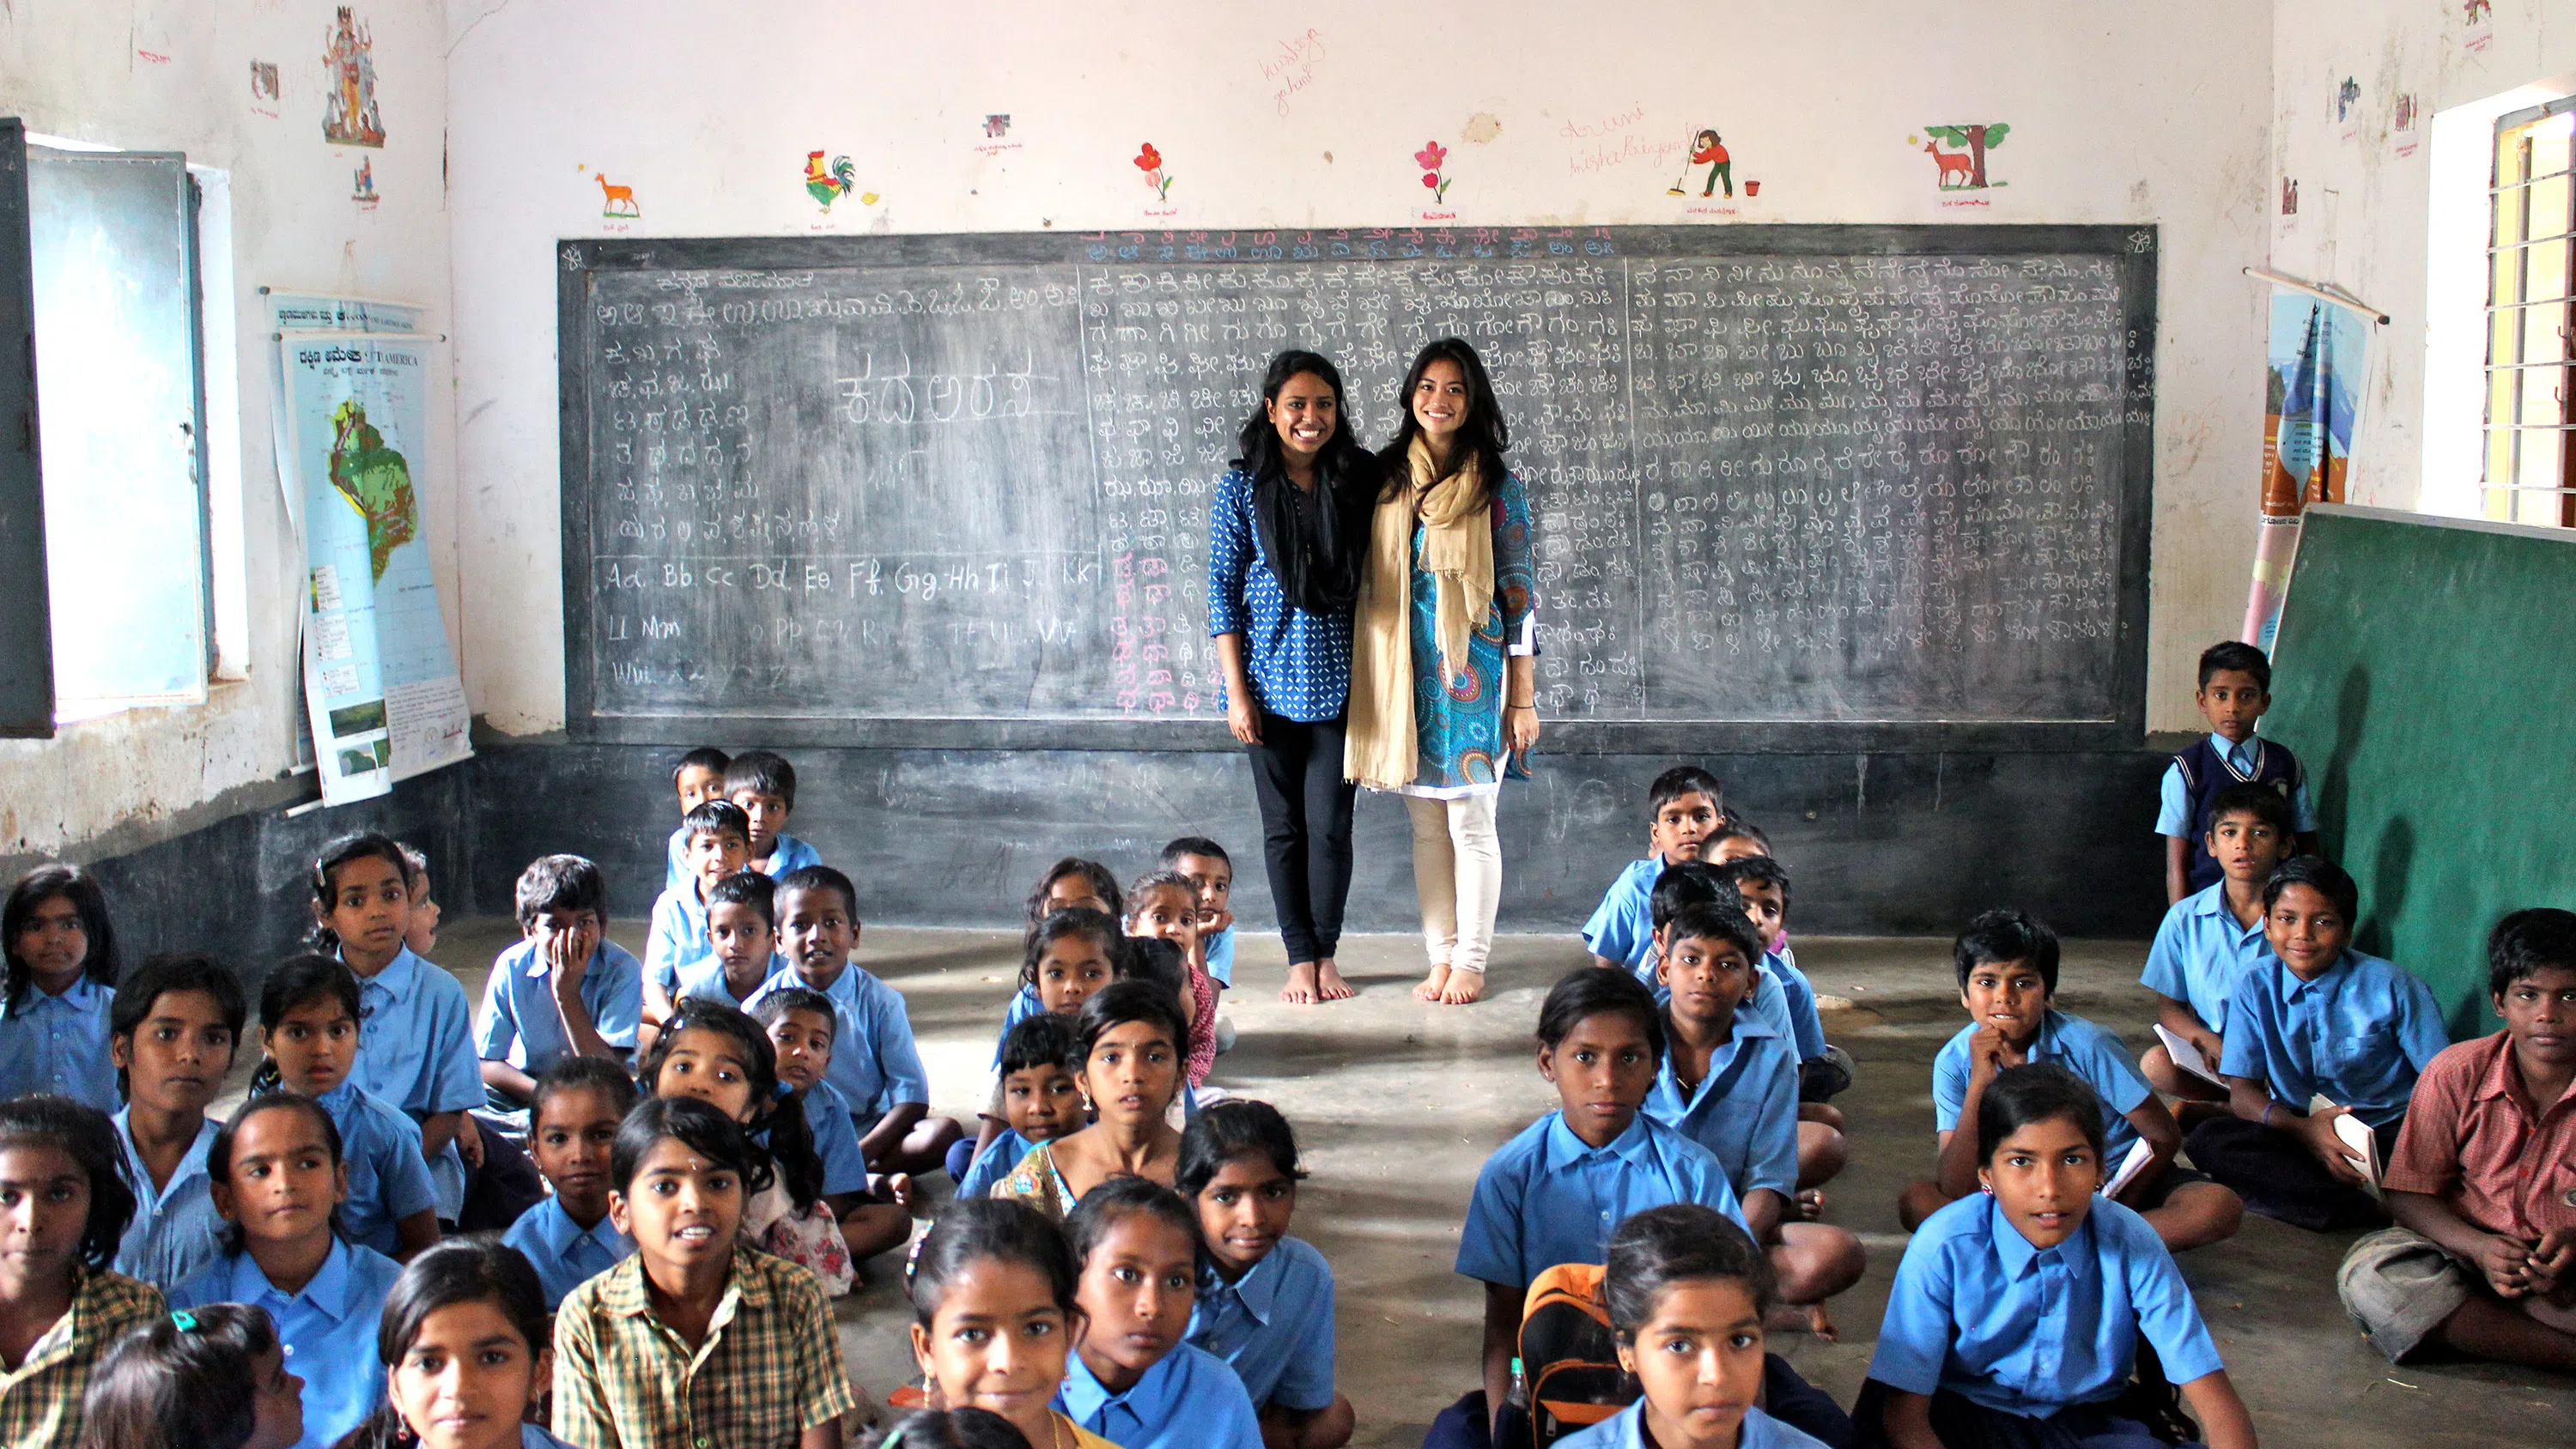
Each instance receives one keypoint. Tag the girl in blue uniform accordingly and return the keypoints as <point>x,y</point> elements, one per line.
<point>466,1349</point>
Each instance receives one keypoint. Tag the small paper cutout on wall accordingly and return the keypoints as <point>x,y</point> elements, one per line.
<point>615,200</point>
<point>1964,167</point>
<point>2401,126</point>
<point>350,116</point>
<point>828,184</point>
<point>263,87</point>
<point>2289,196</point>
<point>363,185</point>
<point>1150,161</point>
<point>996,127</point>
<point>2477,19</point>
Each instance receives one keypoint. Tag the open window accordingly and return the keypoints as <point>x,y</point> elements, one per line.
<point>2529,474</point>
<point>104,578</point>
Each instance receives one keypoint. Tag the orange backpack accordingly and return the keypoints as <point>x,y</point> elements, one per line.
<point>1569,1356</point>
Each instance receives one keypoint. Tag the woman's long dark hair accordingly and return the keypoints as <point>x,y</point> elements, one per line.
<point>1484,436</point>
<point>1314,545</point>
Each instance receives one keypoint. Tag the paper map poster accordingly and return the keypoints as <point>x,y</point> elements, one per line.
<point>380,682</point>
<point>2313,369</point>
<point>315,312</point>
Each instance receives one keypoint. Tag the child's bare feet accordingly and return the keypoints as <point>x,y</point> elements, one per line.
<point>1463,987</point>
<point>1329,985</point>
<point>1801,1318</point>
<point>900,1187</point>
<point>1821,1325</point>
<point>1431,987</point>
<point>1811,1204</point>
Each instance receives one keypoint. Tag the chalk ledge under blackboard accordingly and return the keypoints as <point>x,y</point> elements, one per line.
<point>1201,736</point>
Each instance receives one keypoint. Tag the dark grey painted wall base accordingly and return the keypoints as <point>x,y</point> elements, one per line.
<point>1878,843</point>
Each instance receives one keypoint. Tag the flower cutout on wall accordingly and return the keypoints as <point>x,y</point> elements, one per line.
<point>1429,158</point>
<point>1150,161</point>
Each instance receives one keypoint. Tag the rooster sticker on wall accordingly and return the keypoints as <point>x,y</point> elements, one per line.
<point>829,184</point>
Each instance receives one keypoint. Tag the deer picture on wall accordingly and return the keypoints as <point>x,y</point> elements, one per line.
<point>1963,168</point>
<point>616,200</point>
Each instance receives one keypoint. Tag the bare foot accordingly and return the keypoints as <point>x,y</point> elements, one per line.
<point>900,1186</point>
<point>1800,1318</point>
<point>1819,1324</point>
<point>1811,1205</point>
<point>1430,988</point>
<point>1300,990</point>
<point>1329,985</point>
<point>1463,988</point>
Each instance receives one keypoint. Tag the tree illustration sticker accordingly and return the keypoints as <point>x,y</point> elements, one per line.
<point>1430,158</point>
<point>1150,161</point>
<point>1964,167</point>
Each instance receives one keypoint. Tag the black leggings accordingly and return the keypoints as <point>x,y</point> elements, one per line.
<point>1305,830</point>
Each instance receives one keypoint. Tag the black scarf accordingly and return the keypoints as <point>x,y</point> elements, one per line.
<point>1315,542</point>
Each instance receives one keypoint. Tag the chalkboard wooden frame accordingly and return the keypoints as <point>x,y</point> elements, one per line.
<point>2133,249</point>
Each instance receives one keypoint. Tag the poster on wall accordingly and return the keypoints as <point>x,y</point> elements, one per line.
<point>2313,373</point>
<point>321,312</point>
<point>381,688</point>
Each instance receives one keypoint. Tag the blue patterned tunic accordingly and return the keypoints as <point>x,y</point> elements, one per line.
<point>1299,663</point>
<point>1459,722</point>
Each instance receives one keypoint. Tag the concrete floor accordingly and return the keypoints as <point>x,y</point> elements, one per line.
<point>1397,1105</point>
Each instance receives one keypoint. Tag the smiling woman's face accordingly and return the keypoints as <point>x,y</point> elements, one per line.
<point>1440,403</point>
<point>1305,412</point>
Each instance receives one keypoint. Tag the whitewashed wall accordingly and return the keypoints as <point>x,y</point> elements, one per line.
<point>2399,217</point>
<point>1310,115</point>
<point>175,75</point>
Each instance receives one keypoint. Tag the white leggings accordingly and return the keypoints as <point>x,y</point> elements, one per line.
<point>1458,875</point>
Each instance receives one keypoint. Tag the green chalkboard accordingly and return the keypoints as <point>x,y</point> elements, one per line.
<point>2426,673</point>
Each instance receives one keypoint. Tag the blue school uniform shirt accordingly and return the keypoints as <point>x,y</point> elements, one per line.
<point>1978,1311</point>
<point>836,1141</point>
<point>328,1329</point>
<point>705,980</point>
<point>1622,928</point>
<point>1220,956</point>
<point>416,1051</point>
<point>1545,1198</point>
<point>675,858</point>
<point>874,1061</point>
<point>678,939</point>
<point>58,1044</point>
<point>787,853</point>
<point>2201,953</point>
<point>564,1253</point>
<point>1746,1109</point>
<point>2173,793</point>
<point>532,1437</point>
<point>519,1023</point>
<point>175,1229</point>
<point>1189,1399</point>
<point>1273,1326</point>
<point>2358,1035</point>
<point>2073,1043</point>
<point>993,1164</point>
<point>388,1178</point>
<point>1627,1430</point>
<point>1806,1024</point>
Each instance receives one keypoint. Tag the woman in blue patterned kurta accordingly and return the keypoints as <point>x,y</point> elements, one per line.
<point>1443,704</point>
<point>1286,532</point>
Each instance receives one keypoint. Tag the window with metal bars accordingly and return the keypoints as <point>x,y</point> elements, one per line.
<point>2529,471</point>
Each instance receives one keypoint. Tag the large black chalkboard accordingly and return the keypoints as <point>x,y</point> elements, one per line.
<point>1794,487</point>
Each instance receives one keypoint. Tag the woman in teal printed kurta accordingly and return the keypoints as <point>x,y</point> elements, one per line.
<point>1442,705</point>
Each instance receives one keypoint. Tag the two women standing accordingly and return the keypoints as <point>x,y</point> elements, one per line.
<point>1373,618</point>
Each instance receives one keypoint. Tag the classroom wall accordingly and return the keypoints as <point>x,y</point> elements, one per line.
<point>1310,116</point>
<point>176,74</point>
<point>2398,217</point>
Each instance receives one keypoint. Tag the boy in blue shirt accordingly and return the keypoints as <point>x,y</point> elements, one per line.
<point>2209,940</point>
<point>1684,806</point>
<point>2315,1019</point>
<point>2235,689</point>
<point>568,1237</point>
<point>564,990</point>
<point>764,786</point>
<point>875,1064</point>
<point>1553,1194</point>
<point>742,929</point>
<point>2017,1312</point>
<point>2007,965</point>
<point>1729,1082</point>
<point>1824,1071</point>
<point>1041,1098</point>
<point>699,778</point>
<point>799,1023</point>
<point>1211,870</point>
<point>719,842</point>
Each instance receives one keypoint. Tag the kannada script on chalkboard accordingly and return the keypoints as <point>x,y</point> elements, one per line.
<point>1839,487</point>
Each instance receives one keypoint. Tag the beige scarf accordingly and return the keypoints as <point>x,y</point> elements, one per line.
<point>1381,750</point>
